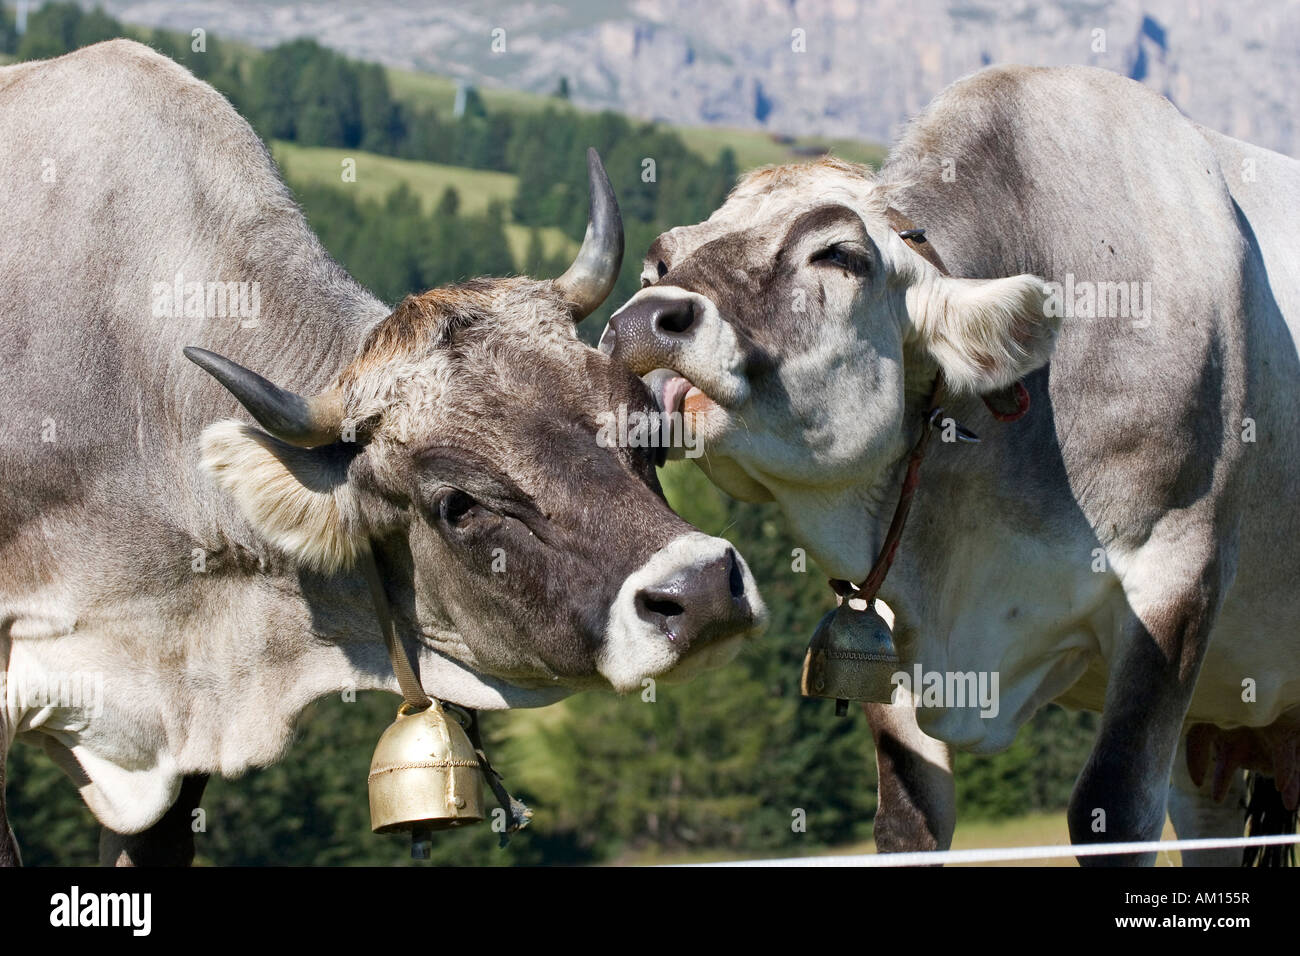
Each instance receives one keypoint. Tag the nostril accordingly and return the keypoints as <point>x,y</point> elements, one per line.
<point>703,599</point>
<point>651,605</point>
<point>666,608</point>
<point>735,580</point>
<point>676,319</point>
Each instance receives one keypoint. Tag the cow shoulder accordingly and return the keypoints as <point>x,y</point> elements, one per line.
<point>1005,185</point>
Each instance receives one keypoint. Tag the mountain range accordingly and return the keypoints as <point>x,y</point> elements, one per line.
<point>846,68</point>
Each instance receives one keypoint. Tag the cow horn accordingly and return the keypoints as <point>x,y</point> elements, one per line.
<point>590,279</point>
<point>305,422</point>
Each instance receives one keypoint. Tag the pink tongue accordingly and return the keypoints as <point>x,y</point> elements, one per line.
<point>674,390</point>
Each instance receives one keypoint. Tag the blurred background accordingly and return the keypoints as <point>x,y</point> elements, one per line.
<point>467,123</point>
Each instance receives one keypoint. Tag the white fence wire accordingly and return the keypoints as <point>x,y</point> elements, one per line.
<point>1011,853</point>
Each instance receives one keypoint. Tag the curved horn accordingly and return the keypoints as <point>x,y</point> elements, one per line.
<point>305,422</point>
<point>587,282</point>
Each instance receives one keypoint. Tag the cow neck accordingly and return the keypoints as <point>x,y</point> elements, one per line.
<point>414,699</point>
<point>915,239</point>
<point>870,585</point>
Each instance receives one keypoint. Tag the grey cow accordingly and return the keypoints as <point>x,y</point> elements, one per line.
<point>177,585</point>
<point>1129,546</point>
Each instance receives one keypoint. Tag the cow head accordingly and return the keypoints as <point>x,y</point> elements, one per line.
<point>801,330</point>
<point>528,558</point>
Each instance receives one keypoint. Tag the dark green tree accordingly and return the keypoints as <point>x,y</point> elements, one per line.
<point>51,31</point>
<point>8,32</point>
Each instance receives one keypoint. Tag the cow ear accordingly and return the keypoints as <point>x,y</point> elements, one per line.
<point>985,333</point>
<point>297,499</point>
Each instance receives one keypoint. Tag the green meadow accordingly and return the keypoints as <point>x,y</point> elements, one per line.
<point>377,176</point>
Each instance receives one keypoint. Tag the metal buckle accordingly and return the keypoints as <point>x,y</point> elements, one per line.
<point>963,433</point>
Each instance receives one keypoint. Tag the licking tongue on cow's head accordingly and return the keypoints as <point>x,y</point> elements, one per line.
<point>674,395</point>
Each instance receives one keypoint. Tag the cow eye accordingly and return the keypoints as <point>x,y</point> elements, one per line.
<point>661,270</point>
<point>455,507</point>
<point>841,256</point>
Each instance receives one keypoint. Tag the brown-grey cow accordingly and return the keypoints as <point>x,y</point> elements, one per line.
<point>1127,546</point>
<point>192,578</point>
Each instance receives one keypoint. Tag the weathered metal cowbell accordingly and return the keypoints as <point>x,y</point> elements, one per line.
<point>851,657</point>
<point>425,774</point>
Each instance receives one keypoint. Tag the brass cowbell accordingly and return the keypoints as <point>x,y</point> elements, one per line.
<point>425,774</point>
<point>851,657</point>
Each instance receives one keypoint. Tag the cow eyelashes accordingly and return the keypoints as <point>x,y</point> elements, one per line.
<point>842,256</point>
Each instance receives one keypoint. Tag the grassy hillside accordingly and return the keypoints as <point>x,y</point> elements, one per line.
<point>752,148</point>
<point>759,149</point>
<point>438,91</point>
<point>377,175</point>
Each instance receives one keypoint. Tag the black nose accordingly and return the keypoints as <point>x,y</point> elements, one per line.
<point>651,329</point>
<point>698,604</point>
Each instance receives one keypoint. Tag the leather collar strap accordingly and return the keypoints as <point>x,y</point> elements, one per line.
<point>414,695</point>
<point>870,585</point>
<point>415,699</point>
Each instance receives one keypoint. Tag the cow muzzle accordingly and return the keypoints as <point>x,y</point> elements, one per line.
<point>688,608</point>
<point>674,328</point>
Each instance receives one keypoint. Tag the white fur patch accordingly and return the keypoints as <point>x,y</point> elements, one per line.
<point>295,498</point>
<point>123,798</point>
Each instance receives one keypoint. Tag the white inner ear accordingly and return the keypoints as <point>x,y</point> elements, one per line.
<point>986,333</point>
<point>297,499</point>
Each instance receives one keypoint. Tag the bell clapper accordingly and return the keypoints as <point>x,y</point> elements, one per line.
<point>421,843</point>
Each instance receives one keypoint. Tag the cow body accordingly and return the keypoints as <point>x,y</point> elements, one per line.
<point>1135,449</point>
<point>1146,503</point>
<point>205,607</point>
<point>1167,440</point>
<point>99,520</point>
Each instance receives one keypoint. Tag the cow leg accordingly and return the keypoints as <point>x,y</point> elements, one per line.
<point>1197,815</point>
<point>917,800</point>
<point>9,855</point>
<point>169,842</point>
<point>1122,792</point>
